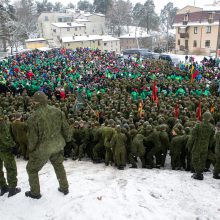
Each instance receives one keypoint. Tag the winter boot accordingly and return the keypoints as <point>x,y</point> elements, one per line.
<point>64,191</point>
<point>133,166</point>
<point>197,176</point>
<point>216,176</point>
<point>4,190</point>
<point>28,194</point>
<point>121,167</point>
<point>13,191</point>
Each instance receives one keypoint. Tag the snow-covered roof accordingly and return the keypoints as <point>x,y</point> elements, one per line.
<point>82,20</point>
<point>89,14</point>
<point>35,39</point>
<point>133,35</point>
<point>109,38</point>
<point>211,8</point>
<point>67,25</point>
<point>81,38</point>
<point>195,24</point>
<point>99,14</point>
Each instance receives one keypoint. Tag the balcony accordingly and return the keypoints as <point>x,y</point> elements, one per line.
<point>184,35</point>
<point>210,20</point>
<point>185,22</point>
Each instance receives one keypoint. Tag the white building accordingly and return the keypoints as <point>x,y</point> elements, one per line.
<point>47,18</point>
<point>95,23</point>
<point>69,29</point>
<point>102,42</point>
<point>110,43</point>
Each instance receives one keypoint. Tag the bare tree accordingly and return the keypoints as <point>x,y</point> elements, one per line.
<point>119,15</point>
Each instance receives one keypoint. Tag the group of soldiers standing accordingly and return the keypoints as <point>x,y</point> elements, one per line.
<point>108,115</point>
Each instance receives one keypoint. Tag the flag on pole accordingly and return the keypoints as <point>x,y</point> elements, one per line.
<point>140,107</point>
<point>194,75</point>
<point>212,109</point>
<point>154,93</point>
<point>177,110</point>
<point>199,112</point>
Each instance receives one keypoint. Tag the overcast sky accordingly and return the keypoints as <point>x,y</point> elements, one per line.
<point>159,4</point>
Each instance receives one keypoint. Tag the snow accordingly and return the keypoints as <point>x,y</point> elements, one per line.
<point>99,192</point>
<point>196,24</point>
<point>67,25</point>
<point>81,38</point>
<point>35,39</point>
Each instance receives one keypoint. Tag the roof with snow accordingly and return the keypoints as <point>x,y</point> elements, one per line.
<point>35,39</point>
<point>89,14</point>
<point>82,20</point>
<point>133,35</point>
<point>109,38</point>
<point>67,25</point>
<point>81,38</point>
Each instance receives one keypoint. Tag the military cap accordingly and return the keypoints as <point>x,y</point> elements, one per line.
<point>40,97</point>
<point>207,116</point>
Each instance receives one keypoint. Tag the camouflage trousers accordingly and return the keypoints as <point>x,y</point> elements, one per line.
<point>11,169</point>
<point>217,165</point>
<point>36,163</point>
<point>137,150</point>
<point>120,156</point>
<point>199,161</point>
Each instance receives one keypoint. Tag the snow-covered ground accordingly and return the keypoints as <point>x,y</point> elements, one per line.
<point>98,192</point>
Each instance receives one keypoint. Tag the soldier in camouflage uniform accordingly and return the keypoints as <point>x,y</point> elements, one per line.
<point>118,143</point>
<point>202,137</point>
<point>19,132</point>
<point>216,173</point>
<point>137,148</point>
<point>7,145</point>
<point>48,132</point>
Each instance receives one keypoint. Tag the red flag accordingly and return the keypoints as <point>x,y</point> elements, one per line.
<point>199,112</point>
<point>154,93</point>
<point>177,111</point>
<point>194,75</point>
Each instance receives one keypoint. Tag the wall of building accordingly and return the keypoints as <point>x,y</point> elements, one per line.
<point>96,24</point>
<point>111,46</point>
<point>201,37</point>
<point>36,45</point>
<point>77,44</point>
<point>45,20</point>
<point>128,43</point>
<point>58,33</point>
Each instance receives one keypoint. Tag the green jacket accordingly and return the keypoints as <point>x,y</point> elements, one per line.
<point>6,140</point>
<point>48,130</point>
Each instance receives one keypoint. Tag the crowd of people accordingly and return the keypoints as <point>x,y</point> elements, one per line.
<point>118,111</point>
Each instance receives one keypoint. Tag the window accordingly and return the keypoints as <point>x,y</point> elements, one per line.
<point>195,43</point>
<point>208,29</point>
<point>210,16</point>
<point>75,28</point>
<point>178,30</point>
<point>68,29</point>
<point>54,30</point>
<point>178,42</point>
<point>195,30</point>
<point>59,19</point>
<point>68,45</point>
<point>99,44</point>
<point>186,17</point>
<point>79,28</point>
<point>46,18</point>
<point>207,43</point>
<point>105,44</point>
